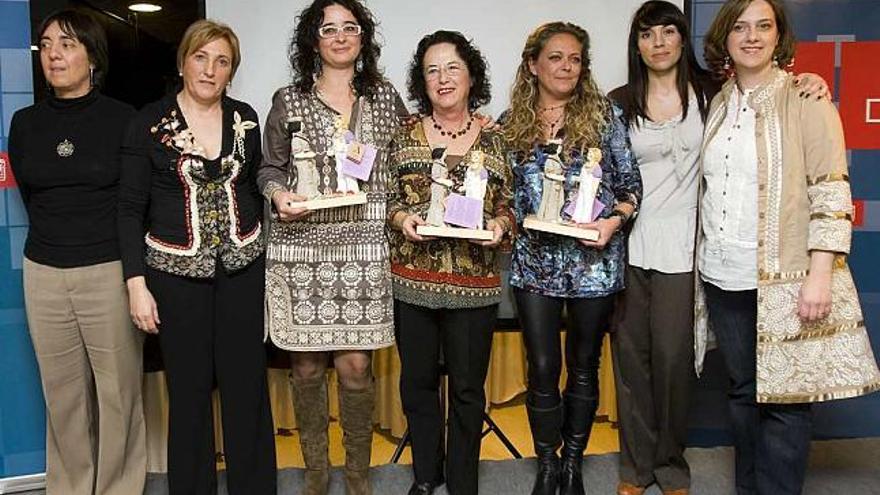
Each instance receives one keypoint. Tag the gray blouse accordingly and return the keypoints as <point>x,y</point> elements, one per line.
<point>663,236</point>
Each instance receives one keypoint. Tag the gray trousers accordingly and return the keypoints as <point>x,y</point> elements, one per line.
<point>89,355</point>
<point>653,350</point>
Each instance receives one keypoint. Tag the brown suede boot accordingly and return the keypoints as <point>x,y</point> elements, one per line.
<point>312,419</point>
<point>356,419</point>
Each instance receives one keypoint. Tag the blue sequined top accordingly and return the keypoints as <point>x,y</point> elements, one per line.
<point>558,266</point>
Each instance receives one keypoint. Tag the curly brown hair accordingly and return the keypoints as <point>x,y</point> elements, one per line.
<point>587,113</point>
<point>481,90</point>
<point>715,41</point>
<point>303,49</point>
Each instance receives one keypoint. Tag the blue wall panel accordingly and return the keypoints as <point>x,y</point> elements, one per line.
<point>22,413</point>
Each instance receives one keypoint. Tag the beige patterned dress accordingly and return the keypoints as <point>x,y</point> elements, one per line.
<point>328,284</point>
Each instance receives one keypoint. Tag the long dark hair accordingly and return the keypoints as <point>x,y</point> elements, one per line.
<point>481,89</point>
<point>303,50</point>
<point>662,13</point>
<point>82,26</point>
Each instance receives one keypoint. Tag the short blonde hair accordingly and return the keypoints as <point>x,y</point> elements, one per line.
<point>202,32</point>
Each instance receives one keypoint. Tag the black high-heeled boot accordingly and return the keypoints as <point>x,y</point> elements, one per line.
<point>579,412</point>
<point>545,423</point>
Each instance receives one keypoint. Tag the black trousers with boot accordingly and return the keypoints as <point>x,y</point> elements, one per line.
<point>541,319</point>
<point>464,336</point>
<point>212,330</point>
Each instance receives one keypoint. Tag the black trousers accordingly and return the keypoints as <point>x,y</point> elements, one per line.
<point>212,332</point>
<point>541,320</point>
<point>464,336</point>
<point>771,441</point>
<point>653,349</point>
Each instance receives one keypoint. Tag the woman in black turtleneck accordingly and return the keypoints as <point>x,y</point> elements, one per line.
<point>64,153</point>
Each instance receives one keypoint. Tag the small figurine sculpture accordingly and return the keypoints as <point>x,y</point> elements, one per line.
<point>440,185</point>
<point>345,184</point>
<point>553,194</point>
<point>306,174</point>
<point>588,187</point>
<point>476,177</point>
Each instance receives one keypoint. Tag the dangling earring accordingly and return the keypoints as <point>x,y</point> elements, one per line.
<point>775,61</point>
<point>91,76</point>
<point>359,64</point>
<point>728,68</point>
<point>318,66</point>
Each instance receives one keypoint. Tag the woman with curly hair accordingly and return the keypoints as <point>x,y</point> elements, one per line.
<point>555,103</point>
<point>328,290</point>
<point>446,290</point>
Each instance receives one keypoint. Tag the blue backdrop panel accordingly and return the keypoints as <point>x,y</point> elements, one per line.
<point>816,20</point>
<point>22,413</point>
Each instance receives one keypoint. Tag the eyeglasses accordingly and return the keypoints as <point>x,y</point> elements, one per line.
<point>333,30</point>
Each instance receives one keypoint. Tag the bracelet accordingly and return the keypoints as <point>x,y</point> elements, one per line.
<point>621,215</point>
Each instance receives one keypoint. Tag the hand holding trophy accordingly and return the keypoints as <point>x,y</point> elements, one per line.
<point>550,216</point>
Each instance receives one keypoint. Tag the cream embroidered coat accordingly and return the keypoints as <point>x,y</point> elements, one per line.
<point>804,204</point>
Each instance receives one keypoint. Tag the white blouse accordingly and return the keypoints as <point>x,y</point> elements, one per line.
<point>663,235</point>
<point>729,206</point>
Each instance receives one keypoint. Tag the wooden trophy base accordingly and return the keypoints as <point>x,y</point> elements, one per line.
<point>455,232</point>
<point>567,229</point>
<point>332,201</point>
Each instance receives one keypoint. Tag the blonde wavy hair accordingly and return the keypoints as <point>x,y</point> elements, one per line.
<point>586,113</point>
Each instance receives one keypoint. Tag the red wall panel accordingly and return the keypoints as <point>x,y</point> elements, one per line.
<point>859,83</point>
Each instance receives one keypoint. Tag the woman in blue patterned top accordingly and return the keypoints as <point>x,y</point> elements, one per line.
<point>555,98</point>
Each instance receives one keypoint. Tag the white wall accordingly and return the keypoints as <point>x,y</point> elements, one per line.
<point>498,27</point>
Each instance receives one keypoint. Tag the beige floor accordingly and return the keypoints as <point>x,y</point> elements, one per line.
<point>510,417</point>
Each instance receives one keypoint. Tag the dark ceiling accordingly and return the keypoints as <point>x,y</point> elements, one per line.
<point>166,25</point>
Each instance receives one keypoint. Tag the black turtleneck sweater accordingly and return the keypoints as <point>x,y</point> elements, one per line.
<point>65,158</point>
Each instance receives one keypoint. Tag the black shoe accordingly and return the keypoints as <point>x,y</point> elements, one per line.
<point>422,488</point>
<point>547,479</point>
<point>571,482</point>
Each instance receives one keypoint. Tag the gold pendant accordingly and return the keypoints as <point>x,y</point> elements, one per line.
<point>64,149</point>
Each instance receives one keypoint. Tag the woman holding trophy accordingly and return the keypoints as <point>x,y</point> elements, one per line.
<point>328,292</point>
<point>560,126</point>
<point>450,172</point>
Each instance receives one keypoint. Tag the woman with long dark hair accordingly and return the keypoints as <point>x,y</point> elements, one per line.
<point>665,103</point>
<point>64,152</point>
<point>328,289</point>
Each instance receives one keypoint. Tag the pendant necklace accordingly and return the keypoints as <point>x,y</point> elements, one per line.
<point>65,149</point>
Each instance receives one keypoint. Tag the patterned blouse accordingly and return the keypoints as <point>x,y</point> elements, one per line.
<point>445,273</point>
<point>327,275</point>
<point>559,266</point>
